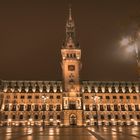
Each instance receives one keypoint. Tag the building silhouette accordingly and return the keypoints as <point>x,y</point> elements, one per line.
<point>70,101</point>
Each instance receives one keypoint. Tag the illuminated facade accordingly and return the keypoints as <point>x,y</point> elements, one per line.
<point>70,101</point>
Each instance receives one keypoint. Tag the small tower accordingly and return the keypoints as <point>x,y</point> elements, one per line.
<point>71,59</point>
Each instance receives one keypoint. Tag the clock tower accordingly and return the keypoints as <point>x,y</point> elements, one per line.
<point>71,66</point>
<point>71,60</point>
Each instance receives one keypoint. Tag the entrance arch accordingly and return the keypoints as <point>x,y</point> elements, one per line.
<point>73,119</point>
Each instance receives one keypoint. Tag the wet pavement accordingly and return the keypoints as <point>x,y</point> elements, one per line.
<point>67,133</point>
<point>35,133</point>
<point>116,132</point>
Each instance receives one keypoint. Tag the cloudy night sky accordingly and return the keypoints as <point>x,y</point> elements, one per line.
<point>32,33</point>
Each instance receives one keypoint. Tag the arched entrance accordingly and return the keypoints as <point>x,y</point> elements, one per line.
<point>73,119</point>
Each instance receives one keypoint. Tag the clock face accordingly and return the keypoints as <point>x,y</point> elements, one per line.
<point>71,67</point>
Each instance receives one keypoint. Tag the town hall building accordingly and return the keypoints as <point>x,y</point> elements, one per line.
<point>70,101</point>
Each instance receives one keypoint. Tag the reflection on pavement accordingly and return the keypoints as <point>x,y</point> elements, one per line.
<point>37,133</point>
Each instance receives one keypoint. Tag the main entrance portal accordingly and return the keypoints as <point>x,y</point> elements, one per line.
<point>73,119</point>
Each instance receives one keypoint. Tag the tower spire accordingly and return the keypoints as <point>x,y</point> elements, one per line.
<point>70,31</point>
<point>70,15</point>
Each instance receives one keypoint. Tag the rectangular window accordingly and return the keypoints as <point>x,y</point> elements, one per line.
<point>87,117</point>
<point>87,107</point>
<point>43,107</point>
<point>107,97</point>
<point>131,117</point>
<point>13,117</point>
<point>123,117</point>
<point>135,97</point>
<point>127,97</point>
<point>109,117</point>
<point>58,108</point>
<point>94,108</point>
<point>101,108</point>
<point>6,117</point>
<point>86,97</point>
<point>129,108</point>
<point>51,97</point>
<point>8,96</point>
<point>116,108</point>
<point>121,97</point>
<point>138,117</point>
<point>14,108</point>
<point>50,107</point>
<point>137,107</point>
<point>22,96</point>
<point>100,97</point>
<point>116,117</point>
<point>36,97</point>
<point>72,106</point>
<point>36,108</point>
<point>58,117</point>
<point>114,97</point>
<point>29,97</point>
<point>15,97</point>
<point>29,108</point>
<point>122,107</point>
<point>21,108</point>
<point>108,108</point>
<point>102,117</point>
<point>36,117</point>
<point>6,108</point>
<point>21,117</point>
<point>58,97</point>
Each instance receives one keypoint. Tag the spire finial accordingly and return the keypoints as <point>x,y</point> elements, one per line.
<point>70,15</point>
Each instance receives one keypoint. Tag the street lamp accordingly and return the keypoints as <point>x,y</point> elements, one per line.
<point>30,121</point>
<point>9,121</point>
<point>43,118</point>
<point>96,100</point>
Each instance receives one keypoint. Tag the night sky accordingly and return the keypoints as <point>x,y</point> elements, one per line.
<point>32,33</point>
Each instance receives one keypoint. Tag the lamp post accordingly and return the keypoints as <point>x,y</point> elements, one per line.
<point>96,99</point>
<point>43,118</point>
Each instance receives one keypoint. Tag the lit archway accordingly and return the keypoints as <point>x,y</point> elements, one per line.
<point>73,119</point>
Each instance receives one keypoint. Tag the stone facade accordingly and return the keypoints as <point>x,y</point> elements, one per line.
<point>70,101</point>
